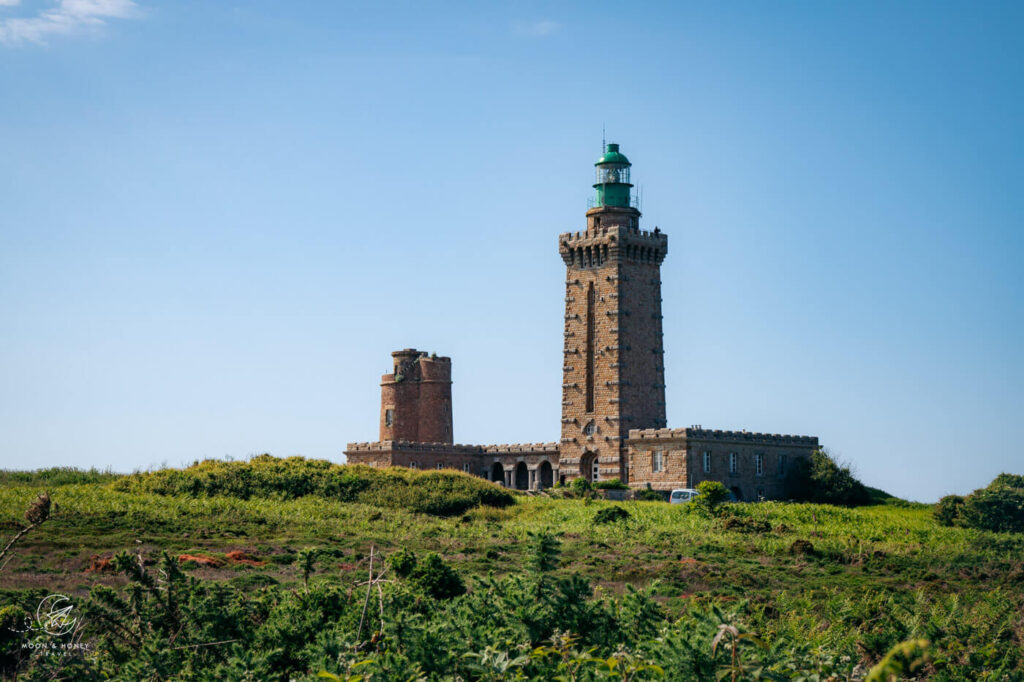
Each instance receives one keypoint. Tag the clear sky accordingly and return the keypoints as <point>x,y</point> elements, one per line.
<point>218,219</point>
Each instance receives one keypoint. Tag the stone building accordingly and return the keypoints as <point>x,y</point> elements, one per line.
<point>613,382</point>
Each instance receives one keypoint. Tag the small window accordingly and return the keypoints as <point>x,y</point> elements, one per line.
<point>465,467</point>
<point>707,462</point>
<point>389,417</point>
<point>732,462</point>
<point>440,466</point>
<point>760,493</point>
<point>759,464</point>
<point>412,465</point>
<point>782,465</point>
<point>589,429</point>
<point>657,461</point>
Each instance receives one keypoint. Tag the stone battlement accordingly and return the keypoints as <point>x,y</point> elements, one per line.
<point>456,448</point>
<point>521,448</point>
<point>598,234</point>
<point>404,445</point>
<point>719,435</point>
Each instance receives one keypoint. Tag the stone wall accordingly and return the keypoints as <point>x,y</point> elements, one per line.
<point>683,459</point>
<point>525,466</point>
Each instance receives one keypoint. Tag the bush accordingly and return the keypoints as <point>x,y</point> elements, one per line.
<point>823,480</point>
<point>997,507</point>
<point>650,496</point>
<point>948,509</point>
<point>712,494</point>
<point>402,562</point>
<point>611,484</point>
<point>994,508</point>
<point>1008,481</point>
<point>610,515</point>
<point>436,578</point>
<point>440,493</point>
<point>580,486</point>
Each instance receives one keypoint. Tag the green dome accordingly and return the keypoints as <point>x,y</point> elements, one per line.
<point>613,155</point>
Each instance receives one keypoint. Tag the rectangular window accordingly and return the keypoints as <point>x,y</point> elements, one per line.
<point>760,493</point>
<point>657,463</point>
<point>782,465</point>
<point>465,467</point>
<point>389,417</point>
<point>412,465</point>
<point>440,466</point>
<point>707,462</point>
<point>759,464</point>
<point>732,462</point>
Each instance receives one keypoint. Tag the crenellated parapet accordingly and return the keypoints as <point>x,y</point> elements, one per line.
<point>522,449</point>
<point>405,446</point>
<point>692,433</point>
<point>606,244</point>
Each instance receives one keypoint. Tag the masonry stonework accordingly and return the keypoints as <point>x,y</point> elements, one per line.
<point>613,382</point>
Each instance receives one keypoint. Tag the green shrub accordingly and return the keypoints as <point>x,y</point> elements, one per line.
<point>610,515</point>
<point>580,485</point>
<point>611,484</point>
<point>998,509</point>
<point>436,578</point>
<point>823,480</point>
<point>12,622</point>
<point>712,494</point>
<point>402,562</point>
<point>1008,481</point>
<point>948,509</point>
<point>650,496</point>
<point>440,493</point>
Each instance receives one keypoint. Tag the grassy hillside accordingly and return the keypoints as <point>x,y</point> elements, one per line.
<point>827,590</point>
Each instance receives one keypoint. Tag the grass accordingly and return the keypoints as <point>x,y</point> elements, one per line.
<point>882,545</point>
<point>873,571</point>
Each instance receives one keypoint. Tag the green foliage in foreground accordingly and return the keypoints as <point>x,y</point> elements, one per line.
<point>997,507</point>
<point>442,493</point>
<point>549,592</point>
<point>531,625</point>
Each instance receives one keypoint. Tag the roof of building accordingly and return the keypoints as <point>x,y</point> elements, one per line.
<point>613,155</point>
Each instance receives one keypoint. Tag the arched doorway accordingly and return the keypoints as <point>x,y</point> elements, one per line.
<point>498,473</point>
<point>589,467</point>
<point>522,476</point>
<point>546,475</point>
<point>736,493</point>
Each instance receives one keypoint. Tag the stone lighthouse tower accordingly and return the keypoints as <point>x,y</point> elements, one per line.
<point>613,369</point>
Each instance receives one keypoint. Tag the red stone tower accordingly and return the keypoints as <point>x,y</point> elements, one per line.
<point>613,369</point>
<point>416,399</point>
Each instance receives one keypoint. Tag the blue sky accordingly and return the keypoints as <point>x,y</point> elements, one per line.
<point>217,220</point>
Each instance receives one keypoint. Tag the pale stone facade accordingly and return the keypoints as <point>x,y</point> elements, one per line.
<point>613,383</point>
<point>752,465</point>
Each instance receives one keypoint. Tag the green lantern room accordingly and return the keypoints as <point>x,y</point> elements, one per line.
<point>613,187</point>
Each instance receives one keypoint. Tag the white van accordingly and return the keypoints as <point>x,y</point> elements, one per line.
<point>682,495</point>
